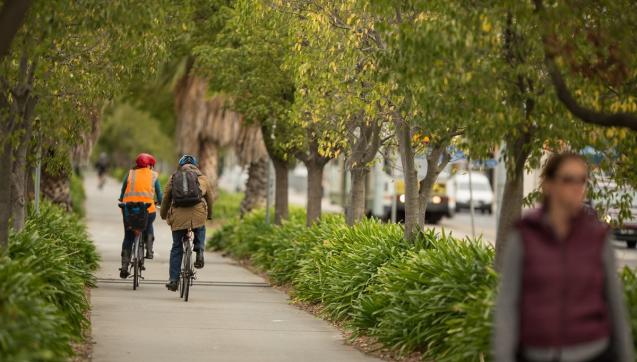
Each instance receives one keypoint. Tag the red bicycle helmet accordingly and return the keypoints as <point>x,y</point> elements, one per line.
<point>145,160</point>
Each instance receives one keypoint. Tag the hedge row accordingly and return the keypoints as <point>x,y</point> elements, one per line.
<point>43,276</point>
<point>434,295</point>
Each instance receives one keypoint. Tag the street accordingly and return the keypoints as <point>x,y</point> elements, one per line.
<point>485,226</point>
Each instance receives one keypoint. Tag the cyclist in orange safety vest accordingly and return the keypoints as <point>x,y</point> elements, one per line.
<point>140,184</point>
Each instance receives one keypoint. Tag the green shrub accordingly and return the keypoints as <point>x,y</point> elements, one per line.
<point>244,238</point>
<point>436,300</point>
<point>67,229</point>
<point>50,267</point>
<point>64,259</point>
<point>630,291</point>
<point>226,207</point>
<point>271,244</point>
<point>336,273</point>
<point>291,251</point>
<point>218,241</point>
<point>78,196</point>
<point>31,327</point>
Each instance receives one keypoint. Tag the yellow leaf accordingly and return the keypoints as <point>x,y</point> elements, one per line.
<point>486,26</point>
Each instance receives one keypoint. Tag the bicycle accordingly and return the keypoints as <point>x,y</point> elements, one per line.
<point>187,274</point>
<point>137,249</point>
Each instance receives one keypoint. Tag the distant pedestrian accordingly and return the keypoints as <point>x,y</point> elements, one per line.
<point>101,165</point>
<point>560,297</point>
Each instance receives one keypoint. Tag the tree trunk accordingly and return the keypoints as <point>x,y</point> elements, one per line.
<point>436,162</point>
<point>403,134</point>
<point>357,196</point>
<point>209,164</point>
<point>18,188</point>
<point>281,168</point>
<point>512,196</point>
<point>5,193</point>
<point>56,188</point>
<point>424,194</point>
<point>256,187</point>
<point>12,16</point>
<point>24,103</point>
<point>314,190</point>
<point>19,175</point>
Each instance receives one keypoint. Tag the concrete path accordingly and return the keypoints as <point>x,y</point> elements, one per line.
<point>232,314</point>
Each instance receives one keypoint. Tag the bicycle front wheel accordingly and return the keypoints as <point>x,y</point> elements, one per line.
<point>187,274</point>
<point>182,288</point>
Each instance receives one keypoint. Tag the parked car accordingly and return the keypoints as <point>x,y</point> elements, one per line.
<point>458,189</point>
<point>439,206</point>
<point>624,227</point>
<point>622,220</point>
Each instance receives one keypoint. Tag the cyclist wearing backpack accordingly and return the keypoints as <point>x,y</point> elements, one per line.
<point>187,203</point>
<point>141,184</point>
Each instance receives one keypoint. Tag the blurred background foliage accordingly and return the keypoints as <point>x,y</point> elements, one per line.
<point>128,130</point>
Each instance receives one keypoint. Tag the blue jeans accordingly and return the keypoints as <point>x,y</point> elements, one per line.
<point>177,251</point>
<point>129,235</point>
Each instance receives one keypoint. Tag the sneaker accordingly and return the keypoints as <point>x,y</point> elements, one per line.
<point>199,260</point>
<point>172,285</point>
<point>123,273</point>
<point>149,255</point>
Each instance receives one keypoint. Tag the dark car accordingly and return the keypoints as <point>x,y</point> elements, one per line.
<point>439,206</point>
<point>622,222</point>
<point>626,232</point>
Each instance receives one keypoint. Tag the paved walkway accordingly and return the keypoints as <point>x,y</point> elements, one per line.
<point>232,314</point>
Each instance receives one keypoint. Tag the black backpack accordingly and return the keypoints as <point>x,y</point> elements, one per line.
<point>185,188</point>
<point>135,215</point>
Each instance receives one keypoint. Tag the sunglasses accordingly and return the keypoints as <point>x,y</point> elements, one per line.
<point>577,180</point>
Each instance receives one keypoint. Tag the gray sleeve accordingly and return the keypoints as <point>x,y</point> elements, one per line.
<point>505,337</point>
<point>621,337</point>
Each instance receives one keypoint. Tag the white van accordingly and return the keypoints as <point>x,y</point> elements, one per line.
<point>458,189</point>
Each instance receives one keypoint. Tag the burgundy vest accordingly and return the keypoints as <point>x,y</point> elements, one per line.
<point>562,300</point>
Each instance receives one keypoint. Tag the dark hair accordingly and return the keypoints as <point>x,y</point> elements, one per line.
<point>556,161</point>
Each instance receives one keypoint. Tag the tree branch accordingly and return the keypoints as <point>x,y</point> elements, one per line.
<point>619,119</point>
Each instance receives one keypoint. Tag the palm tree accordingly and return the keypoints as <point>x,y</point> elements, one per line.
<point>206,125</point>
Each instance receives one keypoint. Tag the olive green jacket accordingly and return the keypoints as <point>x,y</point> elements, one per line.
<point>181,218</point>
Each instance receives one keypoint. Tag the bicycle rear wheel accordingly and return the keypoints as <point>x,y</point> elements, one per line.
<point>135,274</point>
<point>136,269</point>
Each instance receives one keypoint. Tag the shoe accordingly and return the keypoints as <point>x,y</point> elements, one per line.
<point>149,247</point>
<point>123,271</point>
<point>199,260</point>
<point>172,285</point>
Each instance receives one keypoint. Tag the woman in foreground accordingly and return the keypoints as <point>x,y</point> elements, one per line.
<point>560,298</point>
